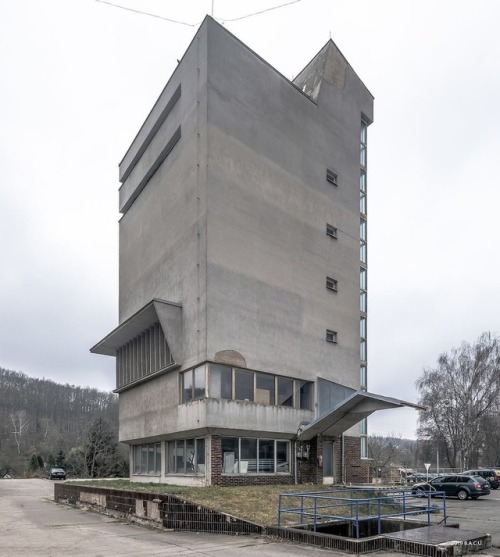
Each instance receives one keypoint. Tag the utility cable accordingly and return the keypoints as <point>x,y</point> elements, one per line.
<point>196,24</point>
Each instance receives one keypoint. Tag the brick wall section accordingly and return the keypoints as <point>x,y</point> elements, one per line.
<point>357,470</point>
<point>309,471</point>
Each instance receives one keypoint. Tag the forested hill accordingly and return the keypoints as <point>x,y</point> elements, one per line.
<point>43,399</point>
<point>42,417</point>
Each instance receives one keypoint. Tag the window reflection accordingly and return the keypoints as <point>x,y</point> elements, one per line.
<point>243,385</point>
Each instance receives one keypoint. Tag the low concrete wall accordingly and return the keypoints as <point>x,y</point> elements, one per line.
<point>154,509</point>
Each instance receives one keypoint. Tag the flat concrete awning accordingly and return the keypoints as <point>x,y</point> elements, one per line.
<point>349,412</point>
<point>168,314</point>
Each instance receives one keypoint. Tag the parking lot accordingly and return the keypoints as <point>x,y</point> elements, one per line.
<point>481,515</point>
<point>32,524</point>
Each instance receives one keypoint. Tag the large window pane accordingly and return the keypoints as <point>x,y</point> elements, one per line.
<point>151,459</point>
<point>180,457</point>
<point>264,393</point>
<point>190,457</point>
<point>285,391</point>
<point>266,456</point>
<point>282,456</point>
<point>200,456</point>
<point>305,395</point>
<point>230,454</point>
<point>158,458</point>
<point>243,389</point>
<point>137,459</point>
<point>248,456</point>
<point>144,458</point>
<point>187,386</point>
<point>221,383</point>
<point>171,457</point>
<point>199,382</point>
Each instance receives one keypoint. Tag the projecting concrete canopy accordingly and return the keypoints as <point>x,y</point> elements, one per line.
<point>168,314</point>
<point>349,412</point>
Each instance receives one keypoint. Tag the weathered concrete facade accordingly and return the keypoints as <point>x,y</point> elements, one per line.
<point>224,244</point>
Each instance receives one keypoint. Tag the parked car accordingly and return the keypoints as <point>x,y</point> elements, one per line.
<point>459,485</point>
<point>491,475</point>
<point>56,474</point>
<point>419,477</point>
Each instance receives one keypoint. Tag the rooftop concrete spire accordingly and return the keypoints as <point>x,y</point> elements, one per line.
<point>329,64</point>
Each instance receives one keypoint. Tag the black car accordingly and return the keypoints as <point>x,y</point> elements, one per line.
<point>419,477</point>
<point>491,475</point>
<point>56,474</point>
<point>458,485</point>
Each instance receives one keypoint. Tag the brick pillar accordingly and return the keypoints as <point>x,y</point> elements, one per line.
<point>215,459</point>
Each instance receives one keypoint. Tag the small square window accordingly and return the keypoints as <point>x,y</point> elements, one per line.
<point>331,284</point>
<point>331,231</point>
<point>331,177</point>
<point>331,336</point>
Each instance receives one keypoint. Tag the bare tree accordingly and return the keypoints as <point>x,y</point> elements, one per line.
<point>100,448</point>
<point>382,450</point>
<point>20,425</point>
<point>461,395</point>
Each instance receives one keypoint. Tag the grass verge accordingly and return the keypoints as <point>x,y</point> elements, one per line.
<point>258,504</point>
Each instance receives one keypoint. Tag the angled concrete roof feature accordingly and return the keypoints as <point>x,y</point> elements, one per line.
<point>168,314</point>
<point>349,412</point>
<point>329,64</point>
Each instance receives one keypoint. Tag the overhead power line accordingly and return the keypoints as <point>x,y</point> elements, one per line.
<point>147,13</point>
<point>258,13</point>
<point>198,23</point>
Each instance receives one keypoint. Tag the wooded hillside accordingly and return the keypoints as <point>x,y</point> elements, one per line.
<point>48,423</point>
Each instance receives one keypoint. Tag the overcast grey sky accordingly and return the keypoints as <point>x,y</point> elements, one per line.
<point>78,79</point>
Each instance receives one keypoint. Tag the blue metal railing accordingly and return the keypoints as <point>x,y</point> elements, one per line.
<point>355,506</point>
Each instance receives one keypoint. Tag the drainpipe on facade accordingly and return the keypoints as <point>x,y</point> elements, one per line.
<point>342,458</point>
<point>296,460</point>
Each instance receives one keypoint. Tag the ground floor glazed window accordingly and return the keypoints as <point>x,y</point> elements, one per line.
<point>186,456</point>
<point>243,455</point>
<point>147,459</point>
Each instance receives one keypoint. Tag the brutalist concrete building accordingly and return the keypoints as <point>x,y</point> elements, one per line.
<point>241,348</point>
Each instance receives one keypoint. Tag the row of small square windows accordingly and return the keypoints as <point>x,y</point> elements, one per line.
<point>331,283</point>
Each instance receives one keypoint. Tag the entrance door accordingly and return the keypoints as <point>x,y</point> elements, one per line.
<point>328,463</point>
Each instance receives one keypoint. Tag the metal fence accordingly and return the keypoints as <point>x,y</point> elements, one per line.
<point>355,506</point>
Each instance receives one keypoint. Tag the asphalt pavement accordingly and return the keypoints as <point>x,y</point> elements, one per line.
<point>31,523</point>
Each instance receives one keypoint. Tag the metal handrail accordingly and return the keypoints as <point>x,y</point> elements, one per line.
<point>319,507</point>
